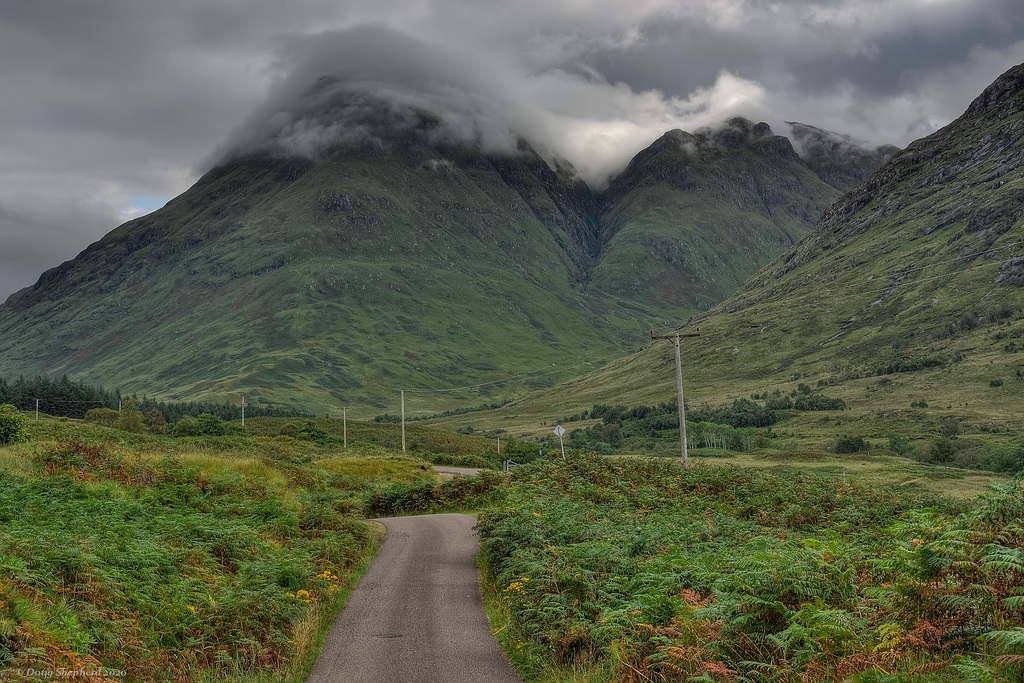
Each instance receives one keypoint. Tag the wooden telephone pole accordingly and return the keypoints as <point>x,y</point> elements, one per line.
<point>679,384</point>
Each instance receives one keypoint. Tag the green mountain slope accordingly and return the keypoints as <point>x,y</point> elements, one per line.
<point>401,262</point>
<point>910,290</point>
<point>693,216</point>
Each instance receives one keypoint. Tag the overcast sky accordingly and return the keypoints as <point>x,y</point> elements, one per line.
<point>108,108</point>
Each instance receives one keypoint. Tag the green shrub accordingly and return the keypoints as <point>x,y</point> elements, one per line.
<point>131,419</point>
<point>291,429</point>
<point>313,432</point>
<point>950,427</point>
<point>155,422</point>
<point>186,426</point>
<point>908,365</point>
<point>12,425</point>
<point>943,451</point>
<point>662,573</point>
<point>106,417</point>
<point>900,444</point>
<point>427,496</point>
<point>477,461</point>
<point>210,425</point>
<point>1000,457</point>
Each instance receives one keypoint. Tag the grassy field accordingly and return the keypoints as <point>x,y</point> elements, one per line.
<point>900,474</point>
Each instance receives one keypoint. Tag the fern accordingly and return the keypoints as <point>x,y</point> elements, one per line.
<point>1008,639</point>
<point>1003,503</point>
<point>1003,559</point>
<point>973,671</point>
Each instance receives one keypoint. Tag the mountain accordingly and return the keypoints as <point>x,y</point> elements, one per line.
<point>909,291</point>
<point>694,215</point>
<point>397,259</point>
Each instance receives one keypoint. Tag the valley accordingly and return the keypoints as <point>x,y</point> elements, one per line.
<point>852,512</point>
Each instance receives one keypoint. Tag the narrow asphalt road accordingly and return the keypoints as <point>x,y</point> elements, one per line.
<point>448,472</point>
<point>416,615</point>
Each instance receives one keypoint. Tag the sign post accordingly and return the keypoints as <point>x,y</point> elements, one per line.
<point>560,430</point>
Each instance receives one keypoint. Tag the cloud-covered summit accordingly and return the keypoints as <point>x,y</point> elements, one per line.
<point>114,106</point>
<point>370,84</point>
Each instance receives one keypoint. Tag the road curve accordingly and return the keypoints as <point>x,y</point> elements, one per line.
<point>416,615</point>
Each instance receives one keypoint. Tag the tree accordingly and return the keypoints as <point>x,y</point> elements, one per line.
<point>155,421</point>
<point>950,427</point>
<point>186,426</point>
<point>131,418</point>
<point>12,425</point>
<point>900,444</point>
<point>851,444</point>
<point>210,425</point>
<point>106,417</point>
<point>943,451</point>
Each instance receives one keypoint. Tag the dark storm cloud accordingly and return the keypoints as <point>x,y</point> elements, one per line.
<point>106,101</point>
<point>29,239</point>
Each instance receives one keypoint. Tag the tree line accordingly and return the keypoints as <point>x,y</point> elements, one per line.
<point>66,398</point>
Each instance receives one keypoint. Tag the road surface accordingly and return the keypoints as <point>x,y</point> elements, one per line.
<point>448,472</point>
<point>416,615</point>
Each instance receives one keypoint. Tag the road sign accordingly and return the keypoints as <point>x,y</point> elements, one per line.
<point>560,430</point>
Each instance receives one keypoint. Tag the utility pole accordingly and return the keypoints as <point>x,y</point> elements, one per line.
<point>344,425</point>
<point>679,384</point>
<point>403,420</point>
<point>37,410</point>
<point>243,411</point>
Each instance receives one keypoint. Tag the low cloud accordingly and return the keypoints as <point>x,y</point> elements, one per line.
<point>122,98</point>
<point>368,84</point>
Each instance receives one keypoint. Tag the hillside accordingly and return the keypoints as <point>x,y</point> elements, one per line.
<point>906,301</point>
<point>356,275</point>
<point>398,261</point>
